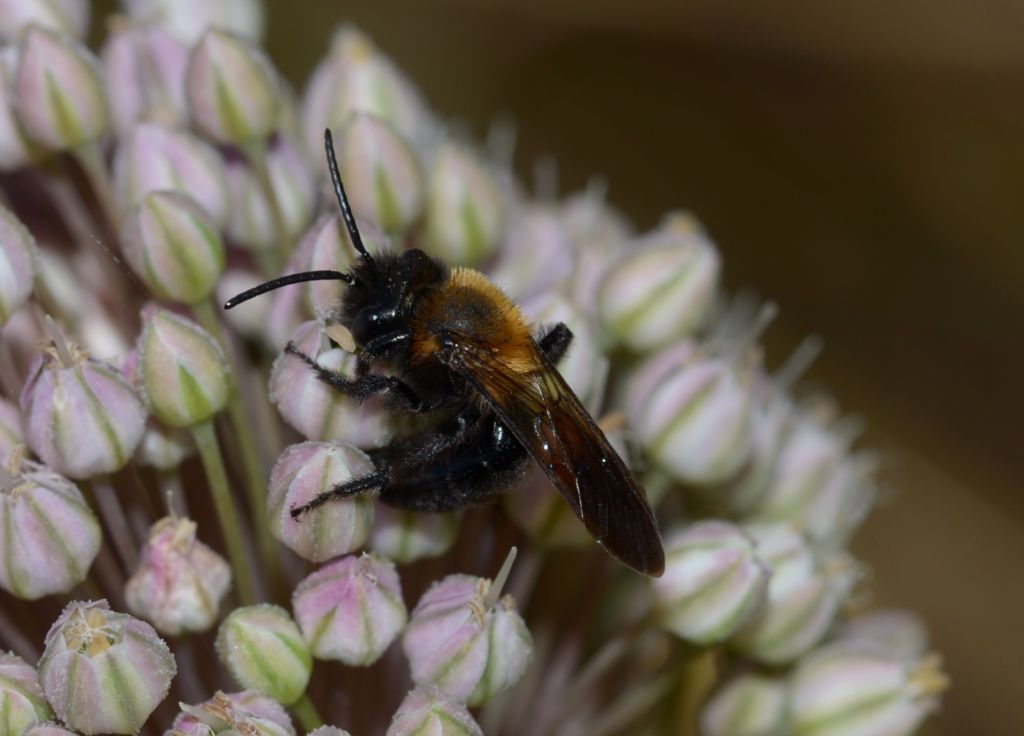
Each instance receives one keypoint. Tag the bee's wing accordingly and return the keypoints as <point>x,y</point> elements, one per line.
<point>546,417</point>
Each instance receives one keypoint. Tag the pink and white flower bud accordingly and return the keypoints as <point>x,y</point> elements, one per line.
<point>351,610</point>
<point>161,447</point>
<point>182,369</point>
<point>303,472</point>
<point>171,243</point>
<point>47,531</point>
<point>848,691</point>
<point>692,414</point>
<point>713,582</point>
<point>232,89</point>
<point>251,321</point>
<point>250,216</point>
<point>103,671</point>
<point>16,150</point>
<point>180,582</point>
<point>22,702</point>
<point>356,77</point>
<point>466,208</point>
<point>747,705</point>
<point>153,156</point>
<point>69,17</point>
<point>313,408</point>
<point>81,417</point>
<point>58,85</point>
<point>599,236</point>
<point>427,710</point>
<point>819,485</point>
<point>328,731</point>
<point>231,714</point>
<point>189,19</point>
<point>17,264</point>
<point>264,651</point>
<point>804,595</point>
<point>463,640</point>
<point>661,291</point>
<point>327,246</point>
<point>897,633</point>
<point>145,70</point>
<point>537,256</point>
<point>387,179</point>
<point>10,428</point>
<point>406,536</point>
<point>47,729</point>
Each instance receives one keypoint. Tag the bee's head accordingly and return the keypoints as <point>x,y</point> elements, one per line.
<point>383,289</point>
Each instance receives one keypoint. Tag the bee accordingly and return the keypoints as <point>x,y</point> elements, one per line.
<point>449,344</point>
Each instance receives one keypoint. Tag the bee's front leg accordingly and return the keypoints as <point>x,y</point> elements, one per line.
<point>365,386</point>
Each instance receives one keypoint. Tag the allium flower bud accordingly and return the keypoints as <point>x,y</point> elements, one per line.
<point>713,582</point>
<point>584,367</point>
<point>303,472</point>
<point>183,370</point>
<point>692,413</point>
<point>153,156</point>
<point>315,409</point>
<point>465,215</point>
<point>10,428</point>
<point>351,610</point>
<point>47,729</point>
<point>15,148</point>
<point>161,447</point>
<point>174,247</point>
<point>250,321</point>
<point>180,582</point>
<point>22,702</point>
<point>145,70</point>
<point>231,88</point>
<point>599,236</point>
<point>231,714</point>
<point>537,255</point>
<point>104,672</point>
<point>662,290</point>
<point>892,632</point>
<point>406,536</point>
<point>263,650</point>
<point>817,484</point>
<point>747,705</point>
<point>48,533</point>
<point>17,264</point>
<point>844,691</point>
<point>61,98</point>
<point>464,641</point>
<point>387,181</point>
<point>327,246</point>
<point>80,416</point>
<point>328,731</point>
<point>250,215</point>
<point>70,17</point>
<point>804,595</point>
<point>189,19</point>
<point>356,77</point>
<point>427,710</point>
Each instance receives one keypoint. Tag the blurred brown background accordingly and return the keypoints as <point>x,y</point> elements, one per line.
<point>860,163</point>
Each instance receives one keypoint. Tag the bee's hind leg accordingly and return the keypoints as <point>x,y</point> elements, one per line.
<point>354,487</point>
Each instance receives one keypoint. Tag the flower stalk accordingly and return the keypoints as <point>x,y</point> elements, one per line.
<point>227,515</point>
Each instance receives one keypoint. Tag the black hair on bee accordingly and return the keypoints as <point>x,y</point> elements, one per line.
<point>459,351</point>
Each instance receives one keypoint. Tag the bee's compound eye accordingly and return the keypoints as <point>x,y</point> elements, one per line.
<point>363,325</point>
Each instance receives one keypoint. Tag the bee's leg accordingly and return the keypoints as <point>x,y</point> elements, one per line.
<point>365,386</point>
<point>354,487</point>
<point>482,464</point>
<point>555,342</point>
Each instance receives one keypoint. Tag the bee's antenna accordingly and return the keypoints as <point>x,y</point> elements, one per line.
<point>346,208</point>
<point>292,278</point>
